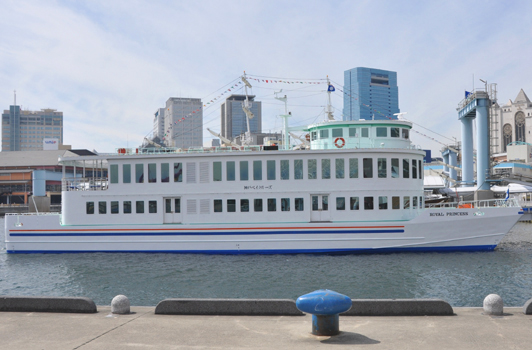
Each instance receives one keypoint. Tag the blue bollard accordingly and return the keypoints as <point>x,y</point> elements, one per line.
<point>325,306</point>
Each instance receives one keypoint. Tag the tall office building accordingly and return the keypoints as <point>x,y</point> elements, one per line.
<point>183,122</point>
<point>234,118</point>
<point>370,94</point>
<point>158,123</point>
<point>26,130</point>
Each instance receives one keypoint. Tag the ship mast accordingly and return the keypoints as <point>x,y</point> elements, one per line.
<point>329,111</point>
<point>285,116</point>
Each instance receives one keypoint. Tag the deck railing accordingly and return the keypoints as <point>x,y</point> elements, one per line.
<point>486,203</point>
<point>85,184</point>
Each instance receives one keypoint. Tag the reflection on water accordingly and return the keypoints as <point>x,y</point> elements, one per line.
<point>462,279</point>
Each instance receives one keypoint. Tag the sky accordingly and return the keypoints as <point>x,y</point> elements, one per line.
<point>108,65</point>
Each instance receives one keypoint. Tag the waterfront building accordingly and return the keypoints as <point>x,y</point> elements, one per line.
<point>370,94</point>
<point>514,119</point>
<point>24,130</point>
<point>158,123</point>
<point>233,117</point>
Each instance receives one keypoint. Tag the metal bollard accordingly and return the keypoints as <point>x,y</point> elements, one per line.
<point>325,306</point>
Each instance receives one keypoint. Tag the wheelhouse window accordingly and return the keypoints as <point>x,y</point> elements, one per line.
<point>339,162</point>
<point>230,171</point>
<point>165,172</point>
<point>394,132</point>
<point>324,134</point>
<point>217,171</point>
<point>365,132</point>
<point>325,168</point>
<point>298,169</point>
<point>337,132</point>
<point>353,132</point>
<point>312,169</point>
<point>126,173</point>
<point>257,170</point>
<point>152,172</point>
<point>139,173</point>
<point>404,133</point>
<point>368,167</point>
<point>314,136</point>
<point>382,132</point>
<point>114,173</point>
<point>178,172</point>
<point>285,169</point>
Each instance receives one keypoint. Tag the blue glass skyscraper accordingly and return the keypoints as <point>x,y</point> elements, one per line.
<point>370,94</point>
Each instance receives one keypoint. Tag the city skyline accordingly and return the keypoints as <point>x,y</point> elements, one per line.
<point>107,66</point>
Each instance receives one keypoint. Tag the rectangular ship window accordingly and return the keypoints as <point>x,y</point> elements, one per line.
<point>353,168</point>
<point>396,202</point>
<point>231,205</point>
<point>285,204</point>
<point>257,170</point>
<point>178,172</point>
<point>165,172</point>
<point>353,132</point>
<point>365,132</point>
<point>395,167</point>
<point>383,202</point>
<point>114,207</point>
<point>114,173</point>
<point>244,205</point>
<point>298,169</point>
<point>257,203</point>
<point>127,207</point>
<point>394,132</point>
<point>406,169</point>
<point>126,173</point>
<point>299,204</point>
<point>139,173</point>
<point>414,202</point>
<point>324,134</point>
<point>230,171</point>
<point>337,132</point>
<point>406,202</point>
<point>102,207</point>
<point>381,165</point>
<point>340,203</point>
<point>218,206</point>
<point>152,205</point>
<point>325,168</point>
<point>139,207</point>
<point>217,171</point>
<point>420,168</point>
<point>244,174</point>
<point>285,169</point>
<point>272,204</point>
<point>177,205</point>
<point>382,132</point>
<point>90,207</point>
<point>312,169</point>
<point>414,169</point>
<point>270,169</point>
<point>354,203</point>
<point>368,167</point>
<point>339,162</point>
<point>368,203</point>
<point>405,133</point>
<point>152,172</point>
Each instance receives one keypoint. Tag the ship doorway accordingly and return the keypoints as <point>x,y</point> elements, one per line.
<point>172,210</point>
<point>319,210</point>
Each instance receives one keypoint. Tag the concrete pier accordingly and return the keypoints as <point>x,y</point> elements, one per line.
<point>469,328</point>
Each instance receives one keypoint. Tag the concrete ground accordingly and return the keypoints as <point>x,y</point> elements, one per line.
<point>468,329</point>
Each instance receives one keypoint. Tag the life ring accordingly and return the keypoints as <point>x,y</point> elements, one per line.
<point>339,142</point>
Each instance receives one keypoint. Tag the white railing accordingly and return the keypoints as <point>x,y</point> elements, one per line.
<point>486,203</point>
<point>85,184</point>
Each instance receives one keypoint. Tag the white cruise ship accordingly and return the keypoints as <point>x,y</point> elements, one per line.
<point>357,188</point>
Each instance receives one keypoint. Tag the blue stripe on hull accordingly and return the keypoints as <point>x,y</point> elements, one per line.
<point>203,233</point>
<point>474,248</point>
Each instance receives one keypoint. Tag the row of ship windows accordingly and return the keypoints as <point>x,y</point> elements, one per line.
<point>173,205</point>
<point>395,167</point>
<point>380,131</point>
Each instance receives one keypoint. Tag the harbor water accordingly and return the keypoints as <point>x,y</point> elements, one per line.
<point>462,279</point>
